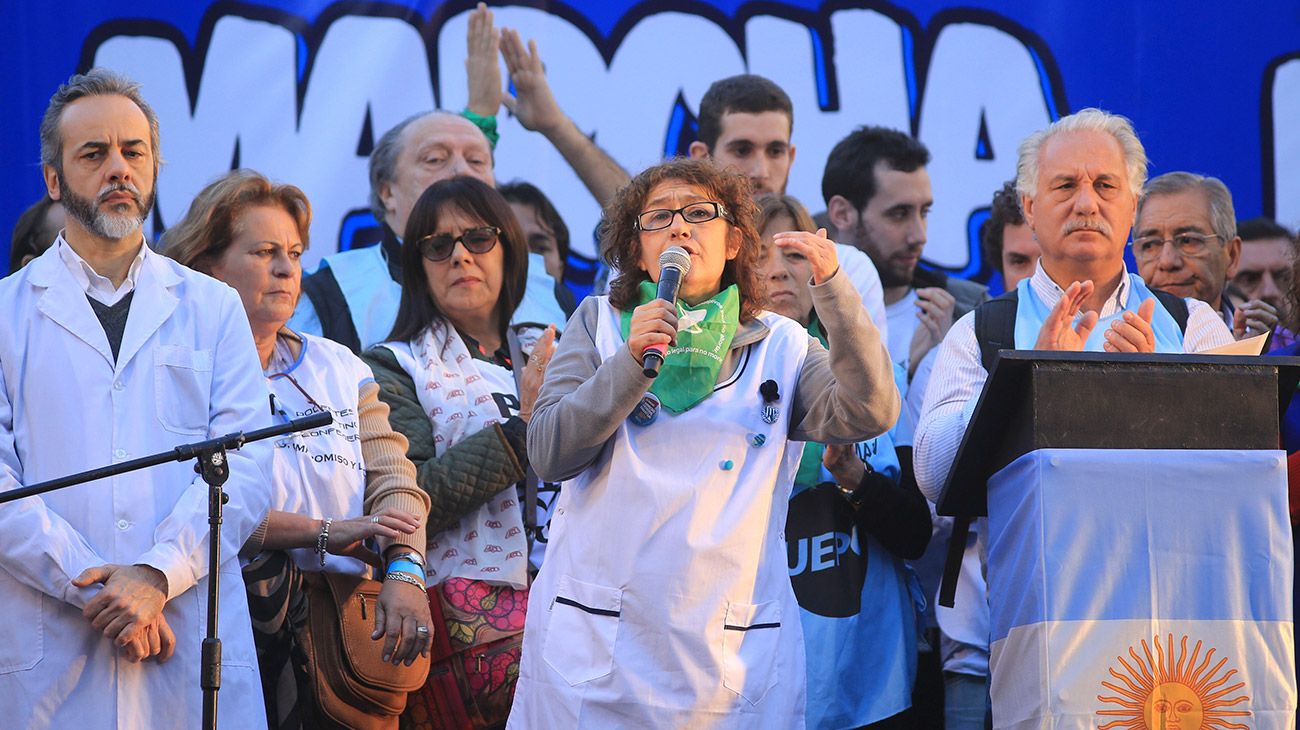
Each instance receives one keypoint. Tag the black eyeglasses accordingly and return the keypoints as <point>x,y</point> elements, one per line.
<point>438,246</point>
<point>660,218</point>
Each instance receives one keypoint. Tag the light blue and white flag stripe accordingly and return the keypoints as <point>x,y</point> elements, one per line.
<point>1094,553</point>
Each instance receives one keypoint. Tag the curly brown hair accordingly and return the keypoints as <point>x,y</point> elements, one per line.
<point>621,241</point>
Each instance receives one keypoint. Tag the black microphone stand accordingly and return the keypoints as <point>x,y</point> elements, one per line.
<point>211,464</point>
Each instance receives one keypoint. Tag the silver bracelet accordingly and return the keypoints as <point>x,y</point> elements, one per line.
<point>405,578</point>
<point>323,539</point>
<point>410,555</point>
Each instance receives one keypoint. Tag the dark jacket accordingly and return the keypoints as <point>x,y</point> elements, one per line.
<point>462,478</point>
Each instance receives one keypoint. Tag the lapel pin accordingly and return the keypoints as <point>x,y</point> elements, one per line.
<point>771,394</point>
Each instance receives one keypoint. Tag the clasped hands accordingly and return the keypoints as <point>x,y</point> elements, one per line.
<point>128,610</point>
<point>1130,333</point>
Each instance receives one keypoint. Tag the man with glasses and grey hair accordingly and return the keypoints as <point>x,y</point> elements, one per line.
<point>1185,242</point>
<point>112,352</point>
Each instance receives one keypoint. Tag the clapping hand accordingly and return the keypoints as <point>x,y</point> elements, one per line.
<point>530,382</point>
<point>1253,318</point>
<point>1132,332</point>
<point>934,308</point>
<point>1058,332</point>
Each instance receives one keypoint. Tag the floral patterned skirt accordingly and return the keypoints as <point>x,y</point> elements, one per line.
<point>475,657</point>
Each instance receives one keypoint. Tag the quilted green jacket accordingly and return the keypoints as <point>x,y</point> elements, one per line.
<point>463,477</point>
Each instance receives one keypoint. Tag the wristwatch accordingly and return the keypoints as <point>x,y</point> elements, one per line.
<point>856,494</point>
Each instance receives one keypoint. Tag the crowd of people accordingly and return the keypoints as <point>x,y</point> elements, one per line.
<point>551,537</point>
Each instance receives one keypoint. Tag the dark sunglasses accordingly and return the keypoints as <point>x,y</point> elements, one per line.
<point>438,246</point>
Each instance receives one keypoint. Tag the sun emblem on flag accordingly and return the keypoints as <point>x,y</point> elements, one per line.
<point>1164,692</point>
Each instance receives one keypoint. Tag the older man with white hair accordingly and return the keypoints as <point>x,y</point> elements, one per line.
<point>1079,181</point>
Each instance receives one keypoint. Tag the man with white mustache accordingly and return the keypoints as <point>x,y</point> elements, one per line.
<point>1079,181</point>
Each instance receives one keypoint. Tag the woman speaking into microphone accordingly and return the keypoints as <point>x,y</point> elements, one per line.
<point>665,599</point>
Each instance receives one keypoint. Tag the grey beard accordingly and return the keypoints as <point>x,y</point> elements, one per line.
<point>102,224</point>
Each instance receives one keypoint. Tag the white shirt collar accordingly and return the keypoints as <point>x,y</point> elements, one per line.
<point>1051,293</point>
<point>98,287</point>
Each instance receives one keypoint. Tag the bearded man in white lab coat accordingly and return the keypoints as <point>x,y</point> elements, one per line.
<point>111,352</point>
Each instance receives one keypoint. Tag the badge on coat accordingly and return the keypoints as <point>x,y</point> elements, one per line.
<point>646,411</point>
<point>771,394</point>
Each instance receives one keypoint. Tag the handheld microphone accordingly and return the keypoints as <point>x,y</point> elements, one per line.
<point>674,265</point>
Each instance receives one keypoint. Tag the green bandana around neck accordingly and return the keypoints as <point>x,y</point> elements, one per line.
<point>810,466</point>
<point>704,335</point>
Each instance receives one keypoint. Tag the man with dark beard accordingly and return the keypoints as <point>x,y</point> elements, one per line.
<point>111,353</point>
<point>877,194</point>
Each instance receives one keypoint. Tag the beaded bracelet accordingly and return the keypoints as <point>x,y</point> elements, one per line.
<point>403,577</point>
<point>406,566</point>
<point>323,539</point>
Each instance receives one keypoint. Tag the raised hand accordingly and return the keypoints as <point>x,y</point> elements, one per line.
<point>482,70</point>
<point>1057,332</point>
<point>533,104</point>
<point>816,247</point>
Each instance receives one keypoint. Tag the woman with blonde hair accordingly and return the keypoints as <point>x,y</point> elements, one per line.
<point>332,489</point>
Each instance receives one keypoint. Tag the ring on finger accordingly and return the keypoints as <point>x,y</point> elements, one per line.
<point>421,629</point>
<point>375,519</point>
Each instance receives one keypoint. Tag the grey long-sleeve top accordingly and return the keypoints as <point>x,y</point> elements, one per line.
<point>845,395</point>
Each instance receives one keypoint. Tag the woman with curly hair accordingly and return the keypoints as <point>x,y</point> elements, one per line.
<point>665,600</point>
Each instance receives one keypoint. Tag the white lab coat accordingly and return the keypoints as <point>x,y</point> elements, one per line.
<point>665,600</point>
<point>187,370</point>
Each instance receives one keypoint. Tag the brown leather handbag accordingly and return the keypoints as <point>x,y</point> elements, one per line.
<point>352,685</point>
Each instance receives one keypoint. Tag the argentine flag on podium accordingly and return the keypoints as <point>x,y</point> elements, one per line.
<point>1141,590</point>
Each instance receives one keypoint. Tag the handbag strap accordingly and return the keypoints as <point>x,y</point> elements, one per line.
<point>518,363</point>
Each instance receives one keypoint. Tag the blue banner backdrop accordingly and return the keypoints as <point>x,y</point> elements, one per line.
<point>299,89</point>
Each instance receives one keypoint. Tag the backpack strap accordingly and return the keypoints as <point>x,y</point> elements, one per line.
<point>331,308</point>
<point>995,327</point>
<point>1175,305</point>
